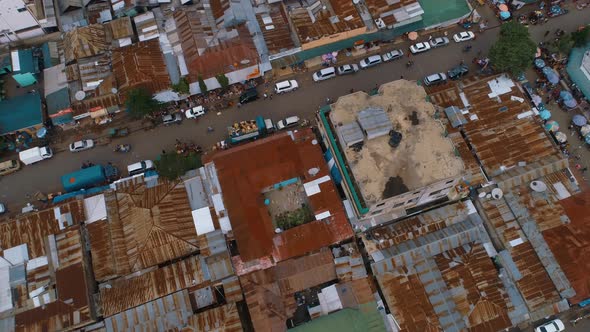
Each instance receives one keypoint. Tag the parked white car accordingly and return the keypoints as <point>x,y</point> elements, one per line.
<point>393,55</point>
<point>419,48</point>
<point>463,36</point>
<point>82,145</point>
<point>195,112</point>
<point>348,69</point>
<point>324,74</point>
<point>288,122</point>
<point>286,86</point>
<point>435,79</point>
<point>555,325</point>
<point>370,61</point>
<point>140,167</point>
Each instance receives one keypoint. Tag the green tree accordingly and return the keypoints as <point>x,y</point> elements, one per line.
<point>182,86</point>
<point>223,81</point>
<point>173,165</point>
<point>202,84</point>
<point>514,50</point>
<point>581,37</point>
<point>140,103</point>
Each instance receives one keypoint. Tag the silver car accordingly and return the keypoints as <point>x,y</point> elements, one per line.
<point>82,145</point>
<point>393,55</point>
<point>348,69</point>
<point>439,41</point>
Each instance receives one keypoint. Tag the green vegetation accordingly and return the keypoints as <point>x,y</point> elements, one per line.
<point>172,165</point>
<point>514,51</point>
<point>202,85</point>
<point>181,87</point>
<point>223,81</point>
<point>140,103</point>
<point>294,218</point>
<point>581,37</point>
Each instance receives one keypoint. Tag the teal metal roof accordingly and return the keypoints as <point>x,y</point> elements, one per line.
<point>574,71</point>
<point>27,63</point>
<point>58,100</point>
<point>20,112</point>
<point>364,319</point>
<point>25,79</point>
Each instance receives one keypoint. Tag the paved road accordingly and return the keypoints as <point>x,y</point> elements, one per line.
<point>45,176</point>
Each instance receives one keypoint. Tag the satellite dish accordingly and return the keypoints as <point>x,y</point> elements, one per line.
<point>314,142</point>
<point>114,90</point>
<point>80,95</point>
<point>356,2</point>
<point>313,171</point>
<point>245,61</point>
<point>482,194</point>
<point>497,193</point>
<point>538,186</point>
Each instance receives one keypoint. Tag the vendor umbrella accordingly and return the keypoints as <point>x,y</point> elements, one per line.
<point>545,114</point>
<point>579,120</point>
<point>560,137</point>
<point>503,8</point>
<point>552,126</point>
<point>585,130</point>
<point>539,63</point>
<point>551,75</point>
<point>570,103</point>
<point>41,132</point>
<point>565,95</point>
<point>413,35</point>
<point>537,99</point>
<point>587,139</point>
<point>504,15</point>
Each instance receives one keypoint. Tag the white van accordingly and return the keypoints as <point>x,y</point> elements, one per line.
<point>286,86</point>
<point>370,61</point>
<point>288,122</point>
<point>435,79</point>
<point>324,74</point>
<point>140,167</point>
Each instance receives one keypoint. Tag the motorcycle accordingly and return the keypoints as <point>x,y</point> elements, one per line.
<point>122,148</point>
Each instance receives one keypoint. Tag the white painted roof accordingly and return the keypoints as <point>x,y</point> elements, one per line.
<point>203,221</point>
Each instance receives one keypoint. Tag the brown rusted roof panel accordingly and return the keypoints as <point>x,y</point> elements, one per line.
<point>85,41</point>
<point>140,65</point>
<point>245,170</point>
<point>570,244</point>
<point>276,32</point>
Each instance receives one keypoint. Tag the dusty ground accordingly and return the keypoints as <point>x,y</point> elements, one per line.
<point>424,155</point>
<point>288,198</point>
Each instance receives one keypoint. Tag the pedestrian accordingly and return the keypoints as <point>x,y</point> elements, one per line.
<point>409,54</point>
<point>462,62</point>
<point>265,95</point>
<point>270,96</point>
<point>351,90</point>
<point>163,151</point>
<point>430,37</point>
<point>546,33</point>
<point>401,77</point>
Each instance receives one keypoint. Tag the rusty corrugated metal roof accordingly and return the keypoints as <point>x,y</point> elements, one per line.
<point>130,292</point>
<point>570,244</point>
<point>140,65</point>
<point>324,22</point>
<point>275,29</point>
<point>205,53</point>
<point>245,170</point>
<point>377,8</point>
<point>33,228</point>
<point>85,42</point>
<point>535,285</point>
<point>220,319</point>
<point>498,138</point>
<point>269,293</point>
<point>121,27</point>
<point>145,227</point>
